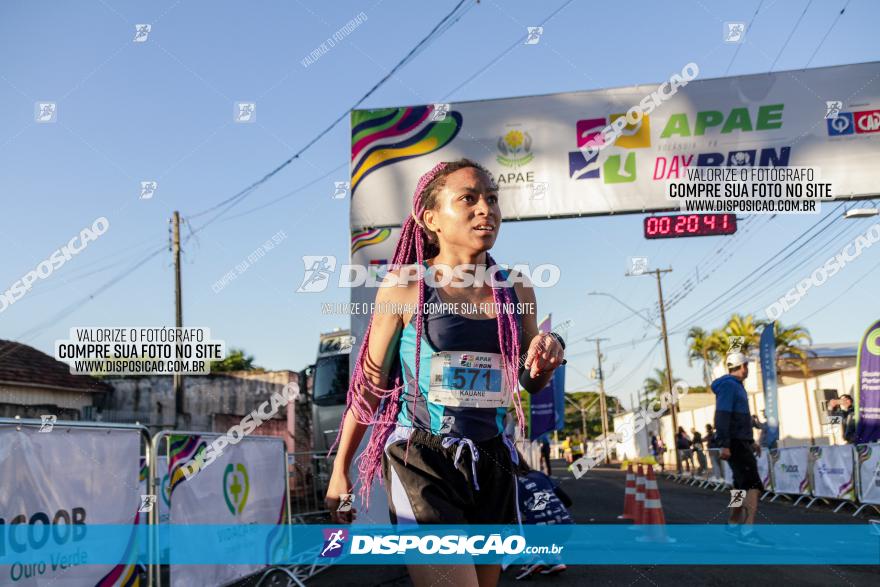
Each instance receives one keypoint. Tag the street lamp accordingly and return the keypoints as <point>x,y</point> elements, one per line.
<point>861,212</point>
<point>624,304</point>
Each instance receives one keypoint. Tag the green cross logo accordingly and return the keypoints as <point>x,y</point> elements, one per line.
<point>235,485</point>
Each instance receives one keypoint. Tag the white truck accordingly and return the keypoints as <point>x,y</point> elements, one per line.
<point>330,375</point>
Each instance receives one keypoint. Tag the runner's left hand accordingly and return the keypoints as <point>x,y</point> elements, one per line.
<point>545,354</point>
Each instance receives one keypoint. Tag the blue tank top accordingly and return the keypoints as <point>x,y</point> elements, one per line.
<point>448,332</point>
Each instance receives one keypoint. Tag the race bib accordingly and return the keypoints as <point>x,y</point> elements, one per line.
<point>467,379</point>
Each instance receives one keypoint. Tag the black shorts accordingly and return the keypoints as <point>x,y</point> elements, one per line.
<point>430,489</point>
<point>744,465</point>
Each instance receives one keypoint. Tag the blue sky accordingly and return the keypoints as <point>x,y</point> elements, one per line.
<point>162,110</point>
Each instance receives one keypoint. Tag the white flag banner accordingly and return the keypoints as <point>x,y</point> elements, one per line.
<point>537,146</point>
<point>72,476</point>
<point>869,472</point>
<point>790,470</point>
<point>245,484</point>
<point>833,470</point>
<point>764,468</point>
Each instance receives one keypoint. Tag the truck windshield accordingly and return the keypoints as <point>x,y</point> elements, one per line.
<point>331,380</point>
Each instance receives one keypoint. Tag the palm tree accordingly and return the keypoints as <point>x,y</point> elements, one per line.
<point>746,327</point>
<point>701,347</point>
<point>791,342</point>
<point>656,385</point>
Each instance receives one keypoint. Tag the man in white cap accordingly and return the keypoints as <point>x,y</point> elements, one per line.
<point>733,435</point>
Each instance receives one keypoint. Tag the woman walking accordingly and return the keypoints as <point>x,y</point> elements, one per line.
<point>436,386</point>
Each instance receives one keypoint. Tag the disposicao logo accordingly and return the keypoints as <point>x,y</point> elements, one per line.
<point>334,539</point>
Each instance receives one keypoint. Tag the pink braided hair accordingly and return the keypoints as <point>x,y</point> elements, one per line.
<point>411,248</point>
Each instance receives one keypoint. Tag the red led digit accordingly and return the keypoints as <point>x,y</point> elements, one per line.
<point>665,224</point>
<point>693,226</point>
<point>709,220</point>
<point>680,224</point>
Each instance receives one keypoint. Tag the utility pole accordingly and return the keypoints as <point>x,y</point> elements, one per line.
<point>663,333</point>
<point>583,410</point>
<point>179,419</point>
<point>602,401</point>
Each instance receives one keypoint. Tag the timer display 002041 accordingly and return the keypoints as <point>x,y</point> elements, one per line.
<point>680,225</point>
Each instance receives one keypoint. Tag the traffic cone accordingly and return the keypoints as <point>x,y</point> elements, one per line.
<point>652,515</point>
<point>639,509</point>
<point>629,495</point>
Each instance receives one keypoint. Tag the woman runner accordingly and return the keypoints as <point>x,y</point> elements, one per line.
<point>438,421</point>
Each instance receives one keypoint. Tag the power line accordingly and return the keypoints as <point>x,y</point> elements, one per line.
<point>231,201</point>
<point>739,45</point>
<point>790,35</point>
<point>828,32</point>
<point>744,282</point>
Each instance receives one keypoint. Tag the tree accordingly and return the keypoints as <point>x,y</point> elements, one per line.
<point>236,360</point>
<point>589,401</point>
<point>738,325</point>
<point>702,347</point>
<point>791,346</point>
<point>658,384</point>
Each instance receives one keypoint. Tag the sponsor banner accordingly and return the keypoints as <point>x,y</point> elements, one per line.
<point>768,380</point>
<point>587,544</point>
<point>244,485</point>
<point>790,470</point>
<point>868,456</point>
<point>833,472</point>
<point>764,469</point>
<point>75,479</point>
<point>539,147</point>
<point>867,399</point>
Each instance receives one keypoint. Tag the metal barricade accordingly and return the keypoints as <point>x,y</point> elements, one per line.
<point>154,478</point>
<point>308,474</point>
<point>147,451</point>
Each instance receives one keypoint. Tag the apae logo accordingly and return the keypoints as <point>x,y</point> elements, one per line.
<point>236,486</point>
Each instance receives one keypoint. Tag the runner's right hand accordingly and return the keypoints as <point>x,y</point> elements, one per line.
<point>339,484</point>
<point>725,454</point>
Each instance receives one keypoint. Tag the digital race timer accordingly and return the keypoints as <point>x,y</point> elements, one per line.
<point>678,225</point>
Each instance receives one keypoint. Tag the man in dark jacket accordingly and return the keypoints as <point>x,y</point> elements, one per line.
<point>733,435</point>
<point>842,408</point>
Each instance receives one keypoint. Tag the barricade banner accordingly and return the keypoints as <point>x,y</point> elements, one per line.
<point>869,472</point>
<point>790,470</point>
<point>164,489</point>
<point>764,469</point>
<point>74,478</point>
<point>833,472</point>
<point>728,473</point>
<point>243,485</point>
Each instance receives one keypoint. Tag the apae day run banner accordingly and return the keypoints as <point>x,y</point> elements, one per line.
<point>76,478</point>
<point>244,485</point>
<point>867,400</point>
<point>833,471</point>
<point>790,468</point>
<point>532,145</point>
